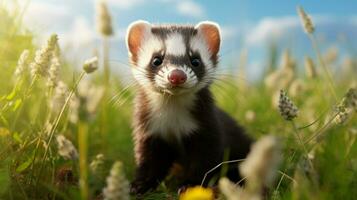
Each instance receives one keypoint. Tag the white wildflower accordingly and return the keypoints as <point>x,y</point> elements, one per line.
<point>66,149</point>
<point>261,164</point>
<point>53,71</point>
<point>97,163</point>
<point>232,191</point>
<point>90,65</point>
<point>22,63</point>
<point>117,185</point>
<point>43,56</point>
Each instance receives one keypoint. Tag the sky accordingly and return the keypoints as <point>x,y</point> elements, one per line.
<point>249,25</point>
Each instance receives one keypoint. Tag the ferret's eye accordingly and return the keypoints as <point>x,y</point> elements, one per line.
<point>196,62</point>
<point>157,61</point>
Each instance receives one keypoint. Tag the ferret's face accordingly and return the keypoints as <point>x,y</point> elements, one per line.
<point>173,59</point>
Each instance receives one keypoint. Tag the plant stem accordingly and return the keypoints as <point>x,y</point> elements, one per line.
<point>323,65</point>
<point>300,140</point>
<point>83,151</point>
<point>106,61</point>
<point>58,118</point>
<point>306,152</point>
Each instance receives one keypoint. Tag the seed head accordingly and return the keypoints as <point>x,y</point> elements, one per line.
<point>305,21</point>
<point>117,185</point>
<point>53,71</point>
<point>346,106</point>
<point>65,148</point>
<point>261,164</point>
<point>310,68</point>
<point>296,87</point>
<point>287,61</point>
<point>343,115</point>
<point>90,65</point>
<point>104,20</point>
<point>43,56</point>
<point>22,63</point>
<point>59,97</point>
<point>232,191</point>
<point>286,107</point>
<point>350,99</point>
<point>97,164</point>
<point>287,71</point>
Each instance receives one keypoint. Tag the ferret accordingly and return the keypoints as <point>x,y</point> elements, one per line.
<point>175,118</point>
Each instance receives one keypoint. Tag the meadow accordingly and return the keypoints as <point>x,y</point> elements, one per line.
<point>65,131</point>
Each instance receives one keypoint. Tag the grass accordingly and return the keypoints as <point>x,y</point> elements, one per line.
<point>320,156</point>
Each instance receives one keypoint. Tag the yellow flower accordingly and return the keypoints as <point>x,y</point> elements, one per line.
<point>197,193</point>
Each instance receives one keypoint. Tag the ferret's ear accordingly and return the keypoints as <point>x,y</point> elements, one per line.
<point>136,33</point>
<point>211,33</point>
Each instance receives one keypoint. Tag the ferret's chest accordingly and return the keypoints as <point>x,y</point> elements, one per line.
<point>172,119</point>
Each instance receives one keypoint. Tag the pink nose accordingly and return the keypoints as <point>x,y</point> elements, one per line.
<point>177,77</point>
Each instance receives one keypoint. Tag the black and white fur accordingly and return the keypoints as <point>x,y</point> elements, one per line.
<point>179,124</point>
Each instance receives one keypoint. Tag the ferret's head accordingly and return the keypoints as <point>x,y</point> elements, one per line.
<point>172,59</point>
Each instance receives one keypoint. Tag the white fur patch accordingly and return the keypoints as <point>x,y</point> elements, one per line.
<point>170,115</point>
<point>175,45</point>
<point>150,45</point>
<point>198,43</point>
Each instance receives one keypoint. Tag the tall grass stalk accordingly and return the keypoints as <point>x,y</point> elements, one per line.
<point>83,154</point>
<point>105,42</point>
<point>25,97</point>
<point>58,118</point>
<point>301,142</point>
<point>323,65</point>
<point>104,114</point>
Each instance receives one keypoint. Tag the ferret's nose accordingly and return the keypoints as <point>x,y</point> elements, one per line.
<point>177,77</point>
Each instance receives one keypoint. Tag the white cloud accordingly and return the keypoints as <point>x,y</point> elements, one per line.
<point>228,32</point>
<point>81,33</point>
<point>190,9</point>
<point>120,34</point>
<point>270,29</point>
<point>79,41</point>
<point>42,15</point>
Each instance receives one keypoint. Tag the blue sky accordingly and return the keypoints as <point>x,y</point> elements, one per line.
<point>246,24</point>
